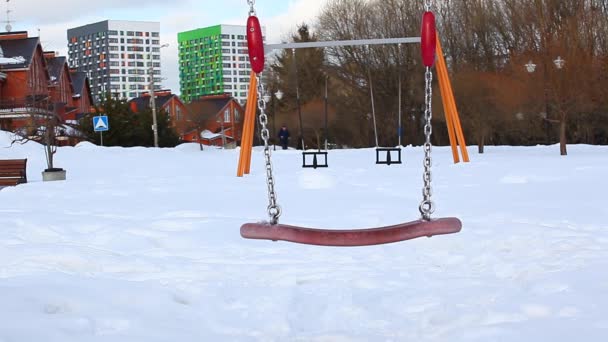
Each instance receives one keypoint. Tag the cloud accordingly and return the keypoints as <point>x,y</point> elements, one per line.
<point>46,12</point>
<point>278,27</point>
<point>54,18</point>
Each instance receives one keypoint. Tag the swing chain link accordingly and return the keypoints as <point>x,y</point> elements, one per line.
<point>427,5</point>
<point>251,9</point>
<point>274,210</point>
<point>426,206</point>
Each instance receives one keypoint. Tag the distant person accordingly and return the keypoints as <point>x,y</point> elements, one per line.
<point>284,136</point>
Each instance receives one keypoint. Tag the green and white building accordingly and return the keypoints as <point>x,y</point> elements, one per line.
<point>214,60</point>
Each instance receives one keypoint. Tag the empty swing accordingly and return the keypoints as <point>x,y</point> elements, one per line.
<point>392,155</point>
<point>317,158</point>
<point>425,226</point>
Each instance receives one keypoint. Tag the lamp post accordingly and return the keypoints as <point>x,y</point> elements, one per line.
<point>268,98</point>
<point>530,67</point>
<point>153,100</point>
<point>559,63</point>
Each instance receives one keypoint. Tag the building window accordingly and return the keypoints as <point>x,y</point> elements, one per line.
<point>227,115</point>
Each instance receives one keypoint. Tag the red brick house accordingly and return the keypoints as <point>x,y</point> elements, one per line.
<point>164,100</point>
<point>25,81</point>
<point>37,84</point>
<point>215,120</point>
<point>81,98</point>
<point>60,83</point>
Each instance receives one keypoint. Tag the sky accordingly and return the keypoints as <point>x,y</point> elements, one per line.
<point>52,19</point>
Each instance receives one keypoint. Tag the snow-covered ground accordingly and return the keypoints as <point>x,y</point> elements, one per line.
<point>143,245</point>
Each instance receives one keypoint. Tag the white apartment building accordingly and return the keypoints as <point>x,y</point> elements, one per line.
<point>118,56</point>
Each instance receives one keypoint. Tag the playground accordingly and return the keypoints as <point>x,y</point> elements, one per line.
<point>132,249</point>
<point>159,244</point>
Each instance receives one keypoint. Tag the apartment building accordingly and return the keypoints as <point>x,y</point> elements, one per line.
<point>119,56</point>
<point>214,60</point>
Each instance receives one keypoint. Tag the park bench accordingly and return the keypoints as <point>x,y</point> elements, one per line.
<point>12,172</point>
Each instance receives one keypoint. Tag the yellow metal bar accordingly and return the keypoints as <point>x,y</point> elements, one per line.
<point>441,75</point>
<point>247,129</point>
<point>448,113</point>
<point>452,106</point>
<point>254,107</point>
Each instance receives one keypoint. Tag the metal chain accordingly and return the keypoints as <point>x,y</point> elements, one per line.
<point>426,206</point>
<point>274,210</point>
<point>427,5</point>
<point>251,9</point>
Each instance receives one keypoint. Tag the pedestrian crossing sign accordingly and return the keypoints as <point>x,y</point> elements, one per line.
<point>100,123</point>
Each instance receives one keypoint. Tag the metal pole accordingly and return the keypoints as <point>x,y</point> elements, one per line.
<point>222,131</point>
<point>274,139</point>
<point>326,132</point>
<point>399,97</point>
<point>399,129</point>
<point>295,65</point>
<point>101,136</point>
<point>371,94</point>
<point>153,105</point>
<point>152,97</point>
<point>334,43</point>
<point>300,116</point>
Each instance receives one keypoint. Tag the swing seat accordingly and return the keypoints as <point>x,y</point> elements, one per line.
<point>353,237</point>
<point>389,159</point>
<point>317,161</point>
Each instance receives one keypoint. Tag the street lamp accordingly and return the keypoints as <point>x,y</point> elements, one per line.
<point>530,67</point>
<point>268,98</point>
<point>153,100</point>
<point>559,62</point>
<point>279,95</point>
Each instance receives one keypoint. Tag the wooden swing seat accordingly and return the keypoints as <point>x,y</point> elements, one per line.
<point>352,237</point>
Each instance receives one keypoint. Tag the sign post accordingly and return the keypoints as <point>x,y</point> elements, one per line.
<point>101,124</point>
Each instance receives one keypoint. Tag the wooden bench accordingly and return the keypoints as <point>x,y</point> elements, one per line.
<point>12,172</point>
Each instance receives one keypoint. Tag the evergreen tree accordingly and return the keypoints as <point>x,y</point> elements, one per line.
<point>128,129</point>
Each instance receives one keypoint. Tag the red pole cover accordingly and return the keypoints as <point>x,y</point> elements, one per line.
<point>255,44</point>
<point>428,39</point>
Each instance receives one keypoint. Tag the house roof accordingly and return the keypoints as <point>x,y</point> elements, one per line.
<point>209,107</point>
<point>55,66</point>
<point>143,102</point>
<point>78,79</point>
<point>15,48</point>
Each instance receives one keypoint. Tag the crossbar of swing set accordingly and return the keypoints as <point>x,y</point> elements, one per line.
<point>334,43</point>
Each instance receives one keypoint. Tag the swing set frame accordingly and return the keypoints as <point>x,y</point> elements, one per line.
<point>425,226</point>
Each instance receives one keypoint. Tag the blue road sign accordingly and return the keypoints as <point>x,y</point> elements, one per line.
<point>100,123</point>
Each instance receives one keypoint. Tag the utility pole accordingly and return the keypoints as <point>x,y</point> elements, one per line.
<point>153,100</point>
<point>153,105</point>
<point>222,130</point>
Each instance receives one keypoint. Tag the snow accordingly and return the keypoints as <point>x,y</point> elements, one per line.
<point>12,60</point>
<point>143,244</point>
<point>207,134</point>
